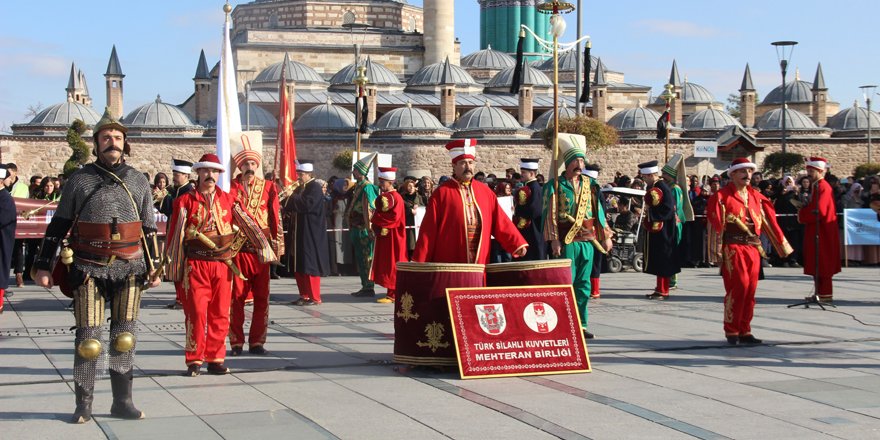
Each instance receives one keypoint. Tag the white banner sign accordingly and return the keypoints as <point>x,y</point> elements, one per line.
<point>705,149</point>
<point>860,226</point>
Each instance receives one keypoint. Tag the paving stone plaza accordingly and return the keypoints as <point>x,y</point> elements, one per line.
<point>660,371</point>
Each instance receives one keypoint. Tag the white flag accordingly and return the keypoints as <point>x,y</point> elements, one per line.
<point>228,118</point>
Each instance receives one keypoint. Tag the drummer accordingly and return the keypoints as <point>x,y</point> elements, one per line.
<point>574,222</point>
<point>463,214</point>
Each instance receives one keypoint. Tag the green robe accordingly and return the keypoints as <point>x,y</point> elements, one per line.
<point>580,253</point>
<point>361,208</point>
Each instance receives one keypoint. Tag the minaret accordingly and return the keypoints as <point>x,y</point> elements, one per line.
<point>439,36</point>
<point>526,105</point>
<point>75,87</point>
<point>372,93</point>
<point>600,93</point>
<point>675,110</point>
<point>747,95</point>
<point>447,95</point>
<point>820,98</point>
<point>113,81</point>
<point>202,83</point>
<point>86,97</point>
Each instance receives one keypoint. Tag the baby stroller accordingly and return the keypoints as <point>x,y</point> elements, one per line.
<point>626,252</point>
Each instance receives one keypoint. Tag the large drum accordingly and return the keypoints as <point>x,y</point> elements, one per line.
<point>422,329</point>
<point>529,273</point>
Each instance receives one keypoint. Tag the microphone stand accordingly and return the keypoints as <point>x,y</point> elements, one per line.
<point>814,298</point>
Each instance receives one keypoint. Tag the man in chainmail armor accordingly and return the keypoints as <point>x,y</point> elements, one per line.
<point>107,206</point>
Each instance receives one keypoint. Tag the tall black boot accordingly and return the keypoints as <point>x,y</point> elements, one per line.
<point>84,397</point>
<point>123,407</point>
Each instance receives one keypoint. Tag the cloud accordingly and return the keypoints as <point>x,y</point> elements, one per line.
<point>16,43</point>
<point>213,17</point>
<point>677,28</point>
<point>38,65</point>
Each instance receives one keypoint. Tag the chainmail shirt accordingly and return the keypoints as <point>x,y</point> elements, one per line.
<point>109,201</point>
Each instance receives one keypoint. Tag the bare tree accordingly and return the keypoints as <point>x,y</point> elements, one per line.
<point>33,110</point>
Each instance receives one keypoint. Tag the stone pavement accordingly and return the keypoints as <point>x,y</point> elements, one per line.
<point>660,370</point>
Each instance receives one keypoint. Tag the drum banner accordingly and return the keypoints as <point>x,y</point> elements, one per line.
<point>517,331</point>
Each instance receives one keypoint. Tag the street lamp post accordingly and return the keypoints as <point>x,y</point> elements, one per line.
<point>784,50</point>
<point>360,81</point>
<point>247,75</point>
<point>869,92</point>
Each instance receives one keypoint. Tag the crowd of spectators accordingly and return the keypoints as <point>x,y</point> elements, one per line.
<point>623,211</point>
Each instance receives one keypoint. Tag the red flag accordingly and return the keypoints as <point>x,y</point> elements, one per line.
<point>285,148</point>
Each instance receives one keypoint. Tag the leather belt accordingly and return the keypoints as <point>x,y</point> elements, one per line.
<point>105,240</point>
<point>586,233</point>
<point>196,250</point>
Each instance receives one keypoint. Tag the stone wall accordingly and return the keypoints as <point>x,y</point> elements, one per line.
<point>47,154</point>
<point>303,13</point>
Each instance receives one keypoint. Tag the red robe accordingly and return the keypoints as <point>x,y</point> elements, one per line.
<point>443,233</point>
<point>389,225</point>
<point>208,283</point>
<point>822,198</point>
<point>260,199</point>
<point>728,215</point>
<point>264,208</point>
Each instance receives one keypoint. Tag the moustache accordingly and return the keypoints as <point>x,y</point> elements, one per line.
<point>249,173</point>
<point>210,179</point>
<point>113,149</point>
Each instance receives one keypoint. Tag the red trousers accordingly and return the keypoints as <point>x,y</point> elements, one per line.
<point>180,290</point>
<point>2,294</point>
<point>209,294</point>
<point>739,269</point>
<point>257,285</point>
<point>662,285</point>
<point>309,286</point>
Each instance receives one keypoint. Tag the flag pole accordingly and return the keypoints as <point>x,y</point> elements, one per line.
<point>667,96</point>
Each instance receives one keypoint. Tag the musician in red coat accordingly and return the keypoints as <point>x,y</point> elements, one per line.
<point>463,214</point>
<point>819,217</point>
<point>389,227</point>
<point>740,213</point>
<point>259,198</point>
<point>202,244</point>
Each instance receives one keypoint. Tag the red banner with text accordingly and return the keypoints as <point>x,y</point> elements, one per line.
<point>517,331</point>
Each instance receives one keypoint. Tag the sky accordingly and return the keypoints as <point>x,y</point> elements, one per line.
<point>158,44</point>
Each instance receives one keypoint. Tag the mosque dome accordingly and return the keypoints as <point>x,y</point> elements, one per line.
<point>297,73</point>
<point>409,122</point>
<point>408,118</point>
<point>691,93</point>
<point>488,58</point>
<point>853,118</point>
<point>794,120</point>
<point>709,119</point>
<point>63,114</point>
<point>486,117</point>
<point>158,114</point>
<point>441,73</point>
<point>260,117</point>
<point>546,118</point>
<point>639,118</point>
<point>568,62</point>
<point>377,74</point>
<point>530,75</point>
<point>326,117</point>
<point>795,92</point>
